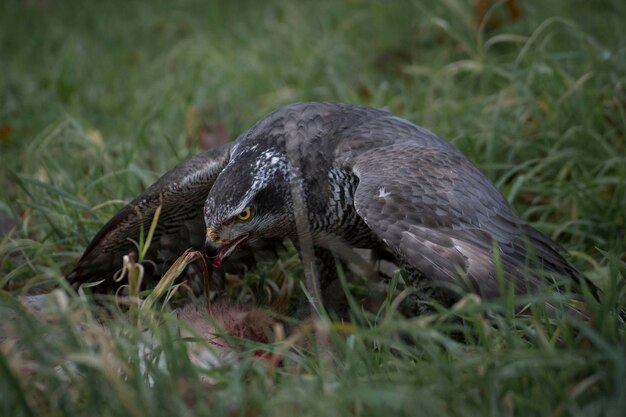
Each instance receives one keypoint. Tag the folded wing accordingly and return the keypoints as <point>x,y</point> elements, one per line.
<point>448,223</point>
<point>181,193</point>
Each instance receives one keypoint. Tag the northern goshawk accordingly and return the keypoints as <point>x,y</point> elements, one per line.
<point>330,178</point>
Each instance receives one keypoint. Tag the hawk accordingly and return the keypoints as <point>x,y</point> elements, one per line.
<point>331,178</point>
<point>180,194</point>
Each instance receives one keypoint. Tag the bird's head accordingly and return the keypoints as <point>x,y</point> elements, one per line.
<point>250,200</point>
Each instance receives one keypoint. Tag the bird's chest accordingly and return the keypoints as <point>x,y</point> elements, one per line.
<point>332,210</point>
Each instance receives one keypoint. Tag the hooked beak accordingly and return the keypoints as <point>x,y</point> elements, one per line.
<point>218,249</point>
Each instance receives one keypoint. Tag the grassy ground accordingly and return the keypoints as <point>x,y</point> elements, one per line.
<point>97,99</point>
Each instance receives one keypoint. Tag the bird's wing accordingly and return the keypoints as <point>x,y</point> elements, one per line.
<point>443,218</point>
<point>181,193</point>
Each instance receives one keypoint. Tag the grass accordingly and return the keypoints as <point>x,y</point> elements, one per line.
<point>98,99</point>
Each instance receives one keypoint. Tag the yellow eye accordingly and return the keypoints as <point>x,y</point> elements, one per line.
<point>245,215</point>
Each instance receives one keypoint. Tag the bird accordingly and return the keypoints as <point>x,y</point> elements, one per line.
<point>178,196</point>
<point>334,178</point>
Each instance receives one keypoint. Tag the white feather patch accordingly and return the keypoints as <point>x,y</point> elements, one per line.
<point>382,193</point>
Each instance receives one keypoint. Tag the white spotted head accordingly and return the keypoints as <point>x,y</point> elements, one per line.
<point>250,199</point>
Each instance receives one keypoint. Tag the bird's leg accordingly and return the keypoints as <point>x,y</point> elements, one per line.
<point>324,269</point>
<point>311,267</point>
<point>362,265</point>
<point>333,297</point>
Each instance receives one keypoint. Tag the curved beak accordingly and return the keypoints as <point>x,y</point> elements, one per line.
<point>218,250</point>
<point>212,238</point>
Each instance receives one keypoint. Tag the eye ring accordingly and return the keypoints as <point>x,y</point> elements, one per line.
<point>245,214</point>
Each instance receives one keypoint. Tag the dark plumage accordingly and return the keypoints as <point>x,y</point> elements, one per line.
<point>365,178</point>
<point>333,177</point>
<point>181,193</point>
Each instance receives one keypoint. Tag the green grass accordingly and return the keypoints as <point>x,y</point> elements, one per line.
<point>98,100</point>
